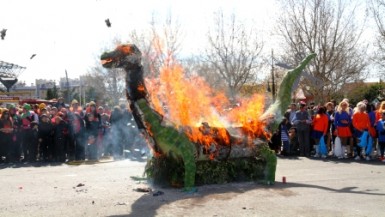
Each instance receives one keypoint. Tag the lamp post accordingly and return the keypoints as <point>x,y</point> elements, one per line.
<point>272,76</point>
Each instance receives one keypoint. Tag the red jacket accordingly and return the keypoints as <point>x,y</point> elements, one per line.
<point>321,123</point>
<point>361,121</point>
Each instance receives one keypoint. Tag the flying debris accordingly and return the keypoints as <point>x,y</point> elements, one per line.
<point>33,55</point>
<point>108,23</point>
<point>3,33</point>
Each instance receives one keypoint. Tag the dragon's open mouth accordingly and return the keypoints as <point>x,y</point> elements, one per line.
<point>105,61</point>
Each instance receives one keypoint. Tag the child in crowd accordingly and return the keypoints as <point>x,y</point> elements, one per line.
<point>284,137</point>
<point>92,129</point>
<point>45,138</point>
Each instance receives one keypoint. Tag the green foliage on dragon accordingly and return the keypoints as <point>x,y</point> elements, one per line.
<point>170,141</point>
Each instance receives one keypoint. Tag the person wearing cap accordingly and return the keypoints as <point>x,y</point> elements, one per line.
<point>380,127</point>
<point>302,121</point>
<point>29,145</point>
<point>6,130</point>
<point>41,106</point>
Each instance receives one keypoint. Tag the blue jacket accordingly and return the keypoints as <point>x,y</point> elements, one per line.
<point>381,130</point>
<point>343,116</point>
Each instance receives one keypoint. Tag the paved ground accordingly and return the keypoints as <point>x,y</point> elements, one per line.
<point>314,187</point>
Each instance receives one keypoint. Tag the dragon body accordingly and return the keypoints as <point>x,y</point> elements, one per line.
<point>171,142</point>
<point>168,140</point>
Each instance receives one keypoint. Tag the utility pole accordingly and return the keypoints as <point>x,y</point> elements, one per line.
<point>272,76</point>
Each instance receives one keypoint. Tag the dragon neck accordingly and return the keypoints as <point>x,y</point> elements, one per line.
<point>150,116</point>
<point>279,107</point>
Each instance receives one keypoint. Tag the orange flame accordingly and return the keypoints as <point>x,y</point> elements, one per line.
<point>191,104</point>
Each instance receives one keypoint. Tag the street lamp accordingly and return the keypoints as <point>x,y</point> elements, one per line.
<point>8,82</point>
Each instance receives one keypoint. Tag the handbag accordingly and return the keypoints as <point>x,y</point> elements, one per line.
<point>322,146</point>
<point>337,147</point>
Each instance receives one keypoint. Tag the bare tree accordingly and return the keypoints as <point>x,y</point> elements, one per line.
<point>233,52</point>
<point>160,45</point>
<point>328,28</point>
<point>108,83</point>
<point>377,7</point>
<point>195,67</point>
<point>94,86</point>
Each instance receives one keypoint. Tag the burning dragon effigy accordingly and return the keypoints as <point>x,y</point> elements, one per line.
<point>194,137</point>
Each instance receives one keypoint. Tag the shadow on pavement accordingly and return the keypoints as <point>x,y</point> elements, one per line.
<point>349,190</point>
<point>148,204</point>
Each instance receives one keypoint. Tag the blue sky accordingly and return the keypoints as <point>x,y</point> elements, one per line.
<point>72,34</point>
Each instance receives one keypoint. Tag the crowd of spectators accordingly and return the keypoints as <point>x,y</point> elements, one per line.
<point>60,132</point>
<point>63,132</point>
<point>346,131</point>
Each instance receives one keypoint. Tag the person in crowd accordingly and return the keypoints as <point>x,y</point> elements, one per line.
<point>117,134</point>
<point>53,114</point>
<point>6,132</point>
<point>42,106</point>
<point>127,121</point>
<point>107,109</point>
<point>41,112</point>
<point>16,135</point>
<point>60,133</point>
<point>381,136</point>
<point>361,123</point>
<point>60,103</point>
<point>312,109</point>
<point>342,122</point>
<point>106,128</point>
<point>320,129</point>
<point>294,145</point>
<point>92,129</point>
<point>76,126</point>
<point>290,114</point>
<point>66,132</point>
<point>371,111</point>
<point>302,122</point>
<point>28,141</point>
<point>35,109</point>
<point>284,137</point>
<point>330,137</point>
<point>380,110</point>
<point>45,138</point>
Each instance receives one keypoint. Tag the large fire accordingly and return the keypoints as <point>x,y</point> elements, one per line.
<point>203,113</point>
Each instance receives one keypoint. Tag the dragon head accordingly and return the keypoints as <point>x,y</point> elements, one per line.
<point>124,56</point>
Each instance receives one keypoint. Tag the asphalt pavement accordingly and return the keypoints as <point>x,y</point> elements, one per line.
<point>313,187</point>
